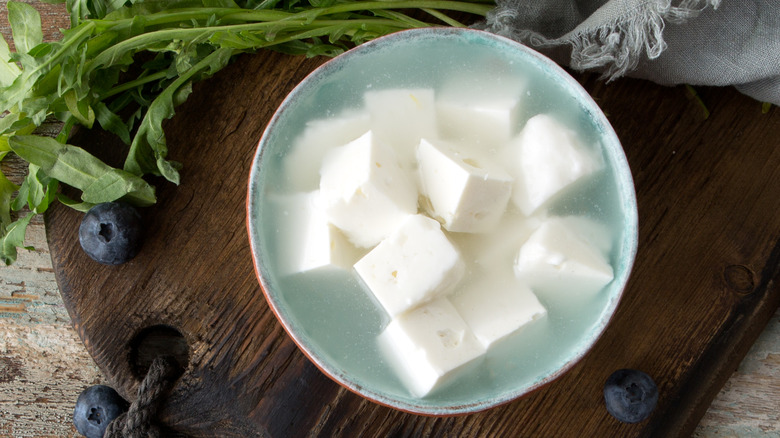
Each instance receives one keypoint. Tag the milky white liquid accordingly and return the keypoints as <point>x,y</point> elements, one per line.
<point>342,320</point>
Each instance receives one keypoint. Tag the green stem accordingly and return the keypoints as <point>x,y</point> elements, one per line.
<point>186,15</point>
<point>141,41</point>
<point>131,162</point>
<point>67,127</point>
<point>444,18</point>
<point>133,84</point>
<point>64,48</point>
<point>326,30</point>
<point>263,20</point>
<point>458,6</point>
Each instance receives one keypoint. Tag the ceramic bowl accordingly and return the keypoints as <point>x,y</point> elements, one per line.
<point>331,317</point>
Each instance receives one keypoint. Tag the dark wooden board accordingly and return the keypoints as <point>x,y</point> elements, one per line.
<point>703,286</point>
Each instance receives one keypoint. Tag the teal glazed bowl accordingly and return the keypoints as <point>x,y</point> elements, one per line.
<point>329,314</point>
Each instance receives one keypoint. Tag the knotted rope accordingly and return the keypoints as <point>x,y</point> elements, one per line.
<point>138,421</point>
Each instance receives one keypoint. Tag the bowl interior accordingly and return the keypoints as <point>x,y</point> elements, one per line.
<point>330,316</point>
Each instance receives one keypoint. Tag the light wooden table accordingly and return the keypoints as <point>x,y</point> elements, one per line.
<point>43,365</point>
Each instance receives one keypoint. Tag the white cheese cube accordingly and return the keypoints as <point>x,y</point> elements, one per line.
<point>307,240</point>
<point>303,161</point>
<point>557,259</point>
<point>595,234</point>
<point>428,345</point>
<point>415,264</point>
<point>496,306</point>
<point>548,157</point>
<point>366,193</point>
<point>467,193</point>
<point>485,113</point>
<point>494,251</point>
<point>400,117</point>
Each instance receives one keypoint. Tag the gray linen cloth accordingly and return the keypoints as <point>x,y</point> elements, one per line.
<point>695,42</point>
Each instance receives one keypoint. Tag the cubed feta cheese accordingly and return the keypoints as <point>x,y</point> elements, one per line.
<point>548,157</point>
<point>365,192</point>
<point>306,239</point>
<point>467,192</point>
<point>496,306</point>
<point>485,114</point>
<point>596,234</point>
<point>428,345</point>
<point>400,117</point>
<point>494,251</point>
<point>303,161</point>
<point>557,259</point>
<point>415,264</point>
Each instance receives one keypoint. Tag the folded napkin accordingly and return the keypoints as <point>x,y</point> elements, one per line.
<point>695,42</point>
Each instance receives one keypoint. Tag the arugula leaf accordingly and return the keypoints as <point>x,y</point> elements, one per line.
<point>36,187</point>
<point>78,10</point>
<point>78,168</point>
<point>14,238</point>
<point>694,95</point>
<point>149,149</point>
<point>37,191</point>
<point>127,64</point>
<point>79,108</point>
<point>22,196</point>
<point>78,206</point>
<point>14,123</point>
<point>24,94</point>
<point>9,71</point>
<point>7,189</point>
<point>25,26</point>
<point>111,122</point>
<point>220,3</point>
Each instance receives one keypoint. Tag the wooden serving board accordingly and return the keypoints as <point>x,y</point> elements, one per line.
<point>703,286</point>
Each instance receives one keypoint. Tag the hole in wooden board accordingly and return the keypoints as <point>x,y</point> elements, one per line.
<point>155,341</point>
<point>740,279</point>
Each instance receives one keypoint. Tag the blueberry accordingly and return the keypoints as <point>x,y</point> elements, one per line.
<point>96,407</point>
<point>110,233</point>
<point>630,395</point>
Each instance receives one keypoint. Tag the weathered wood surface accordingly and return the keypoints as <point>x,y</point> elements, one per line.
<point>678,141</point>
<point>44,366</point>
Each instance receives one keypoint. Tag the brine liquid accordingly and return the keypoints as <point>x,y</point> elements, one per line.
<point>343,321</point>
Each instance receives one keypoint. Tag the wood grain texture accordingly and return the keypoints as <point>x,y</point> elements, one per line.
<point>53,18</point>
<point>748,404</point>
<point>43,365</point>
<point>702,290</point>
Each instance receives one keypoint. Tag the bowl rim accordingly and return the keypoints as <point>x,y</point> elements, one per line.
<point>627,196</point>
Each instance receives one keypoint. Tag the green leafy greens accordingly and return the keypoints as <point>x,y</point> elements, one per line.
<point>86,79</point>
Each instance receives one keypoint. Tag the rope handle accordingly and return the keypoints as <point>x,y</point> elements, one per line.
<point>138,421</point>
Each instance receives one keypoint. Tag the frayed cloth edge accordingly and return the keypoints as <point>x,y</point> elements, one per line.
<point>616,47</point>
